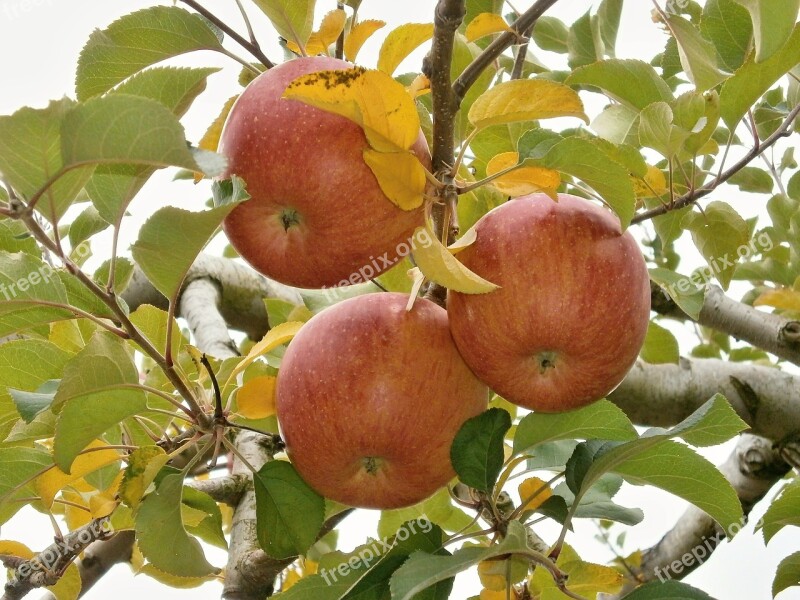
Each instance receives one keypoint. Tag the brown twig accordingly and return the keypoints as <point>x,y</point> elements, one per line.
<point>758,149</point>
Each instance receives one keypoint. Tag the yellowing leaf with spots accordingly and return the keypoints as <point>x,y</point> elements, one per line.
<point>485,24</point>
<point>11,548</point>
<point>331,27</point>
<point>256,398</point>
<point>585,579</point>
<point>275,337</point>
<point>786,299</point>
<point>143,466</point>
<point>523,179</point>
<point>439,265</point>
<point>400,175</point>
<point>48,484</point>
<point>653,184</point>
<point>536,491</point>
<point>359,34</point>
<point>372,99</point>
<point>525,100</point>
<point>400,43</point>
<point>494,574</point>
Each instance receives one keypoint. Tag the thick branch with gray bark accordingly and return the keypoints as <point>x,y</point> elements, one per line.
<point>773,333</point>
<point>766,398</point>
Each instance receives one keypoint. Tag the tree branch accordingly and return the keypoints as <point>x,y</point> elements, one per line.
<point>768,331</point>
<point>767,398</point>
<point>525,23</point>
<point>752,469</point>
<point>199,305</point>
<point>692,196</point>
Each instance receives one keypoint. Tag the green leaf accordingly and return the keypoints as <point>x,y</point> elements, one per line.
<point>438,509</point>
<point>289,513</point>
<point>679,470</point>
<point>423,570</point>
<point>292,19</point>
<point>96,393</point>
<point>550,34</point>
<point>112,187</point>
<point>740,92</point>
<point>30,404</point>
<point>175,88</point>
<point>729,28</point>
<point>229,191</point>
<point>609,14</point>
<point>86,225</point>
<point>586,161</point>
<point>180,235</point>
<point>719,233</point>
<point>773,21</point>
<point>753,180</point>
<point>30,155</point>
<point>667,590</point>
<point>18,465</point>
<point>785,510</point>
<point>584,43</point>
<point>121,128</point>
<point>15,237</point>
<point>698,55</point>
<point>551,456</point>
<point>597,503</point>
<point>161,535</point>
<point>137,41</point>
<point>24,280</point>
<point>634,83</point>
<point>711,424</point>
<point>658,131</point>
<point>477,450</point>
<point>787,575</point>
<point>210,528</point>
<point>660,346</point>
<point>601,419</point>
<point>152,322</point>
<point>122,273</point>
<point>683,290</point>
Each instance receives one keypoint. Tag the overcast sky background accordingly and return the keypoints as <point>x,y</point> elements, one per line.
<point>39,46</point>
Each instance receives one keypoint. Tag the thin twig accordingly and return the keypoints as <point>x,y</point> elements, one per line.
<point>755,152</point>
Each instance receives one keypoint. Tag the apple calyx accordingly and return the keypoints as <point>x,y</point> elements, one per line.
<point>371,464</point>
<point>546,360</point>
<point>289,217</point>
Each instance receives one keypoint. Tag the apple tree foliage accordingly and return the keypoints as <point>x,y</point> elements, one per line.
<point>107,414</point>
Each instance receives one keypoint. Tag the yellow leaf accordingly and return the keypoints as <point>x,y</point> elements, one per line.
<point>400,43</point>
<point>292,577</point>
<point>319,41</point>
<point>310,567</point>
<point>69,584</point>
<point>531,486</point>
<point>523,180</point>
<point>359,34</point>
<point>420,86</point>
<point>585,579</point>
<point>487,594</point>
<point>485,24</point>
<point>372,99</point>
<point>102,505</point>
<point>275,337</point>
<point>525,100</point>
<point>299,313</point>
<point>143,466</point>
<point>785,298</point>
<point>417,279</point>
<point>256,398</point>
<point>494,574</point>
<point>11,548</point>
<point>192,517</point>
<point>74,516</point>
<point>464,241</point>
<point>210,139</point>
<point>439,265</point>
<point>400,175</point>
<point>48,484</point>
<point>653,184</point>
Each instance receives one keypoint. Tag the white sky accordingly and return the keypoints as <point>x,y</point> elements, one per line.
<point>39,47</point>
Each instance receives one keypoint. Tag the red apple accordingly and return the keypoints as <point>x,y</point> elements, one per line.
<point>317,216</point>
<point>572,312</point>
<point>370,397</point>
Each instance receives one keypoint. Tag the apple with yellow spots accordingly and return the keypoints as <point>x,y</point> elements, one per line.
<point>370,397</point>
<point>573,306</point>
<point>317,216</point>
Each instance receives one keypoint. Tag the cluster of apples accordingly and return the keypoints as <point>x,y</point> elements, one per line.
<point>370,395</point>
